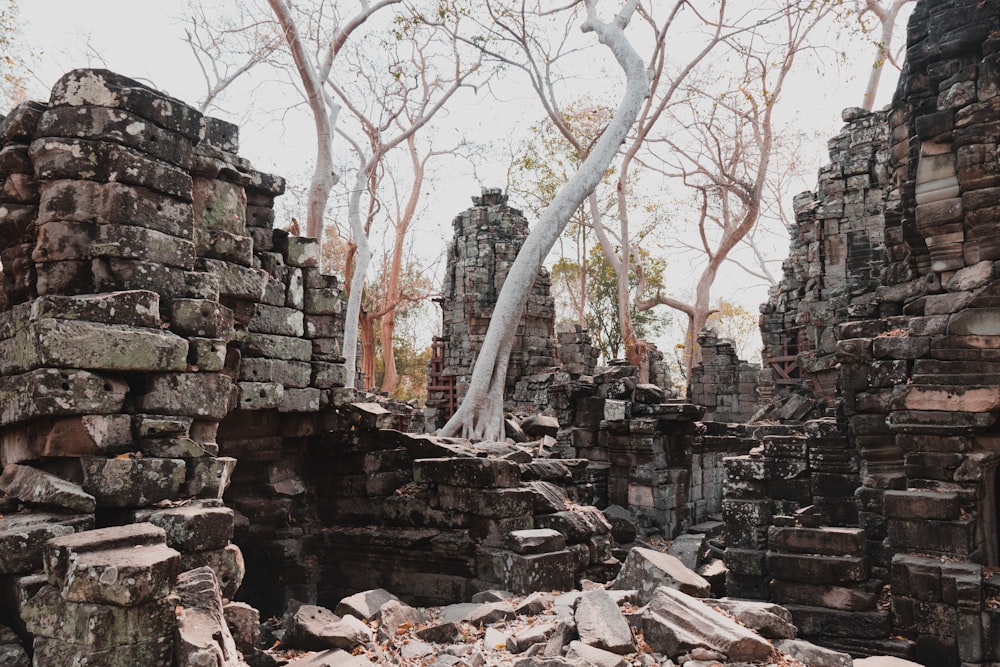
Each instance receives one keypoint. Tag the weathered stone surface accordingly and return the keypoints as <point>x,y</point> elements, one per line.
<point>188,394</point>
<point>131,482</point>
<point>71,436</point>
<point>646,570</point>
<point>203,638</point>
<point>101,347</point>
<point>209,476</point>
<point>12,654</point>
<point>364,605</point>
<point>23,535</point>
<point>316,628</point>
<point>393,615</point>
<point>579,652</point>
<point>124,565</point>
<point>825,540</point>
<point>767,619</point>
<point>227,563</point>
<point>815,656</point>
<point>95,87</point>
<point>476,613</point>
<point>537,540</point>
<point>471,472</point>
<point>157,652</point>
<point>200,526</point>
<point>244,624</point>
<point>36,487</point>
<point>601,624</point>
<point>51,392</point>
<point>675,621</point>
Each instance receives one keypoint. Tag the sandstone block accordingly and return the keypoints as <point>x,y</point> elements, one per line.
<point>601,624</point>
<point>124,565</point>
<point>36,487</point>
<point>470,472</point>
<point>187,394</point>
<point>646,570</point>
<point>97,626</point>
<point>675,621</point>
<point>227,563</point>
<point>23,535</point>
<point>131,482</point>
<point>196,527</point>
<point>51,392</point>
<point>92,87</point>
<point>208,477</point>
<point>203,638</point>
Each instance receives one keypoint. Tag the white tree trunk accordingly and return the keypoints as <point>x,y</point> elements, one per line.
<point>362,257</point>
<point>480,416</point>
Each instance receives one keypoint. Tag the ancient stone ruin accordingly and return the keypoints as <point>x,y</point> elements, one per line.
<point>182,460</point>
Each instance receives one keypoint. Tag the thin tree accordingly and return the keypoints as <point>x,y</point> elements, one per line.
<point>399,105</point>
<point>313,74</point>
<point>887,14</point>
<point>480,416</point>
<point>725,156</point>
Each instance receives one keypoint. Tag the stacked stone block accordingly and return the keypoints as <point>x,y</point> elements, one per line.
<point>837,251</point>
<point>797,468</point>
<point>106,600</point>
<point>19,203</point>
<point>438,520</point>
<point>147,298</point>
<point>723,383</point>
<point>821,575</point>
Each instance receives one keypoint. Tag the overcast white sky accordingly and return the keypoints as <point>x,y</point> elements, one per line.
<point>145,40</point>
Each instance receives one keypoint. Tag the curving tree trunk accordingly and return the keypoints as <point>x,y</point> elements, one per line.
<point>480,416</point>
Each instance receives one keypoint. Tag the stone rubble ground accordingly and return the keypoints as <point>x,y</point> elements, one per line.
<point>595,626</point>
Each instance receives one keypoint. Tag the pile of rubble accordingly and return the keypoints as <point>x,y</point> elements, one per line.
<point>655,613</point>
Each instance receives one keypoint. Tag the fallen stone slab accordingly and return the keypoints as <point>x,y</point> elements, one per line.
<point>601,624</point>
<point>580,653</point>
<point>812,655</point>
<point>530,636</point>
<point>36,487</point>
<point>48,392</point>
<point>645,570</point>
<point>123,565</point>
<point>364,605</point>
<point>470,612</point>
<point>769,620</point>
<point>394,615</point>
<point>244,624</point>
<point>23,535</point>
<point>676,621</point>
<point>688,549</point>
<point>203,638</point>
<point>313,628</point>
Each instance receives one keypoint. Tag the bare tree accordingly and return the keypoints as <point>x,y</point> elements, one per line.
<point>399,105</point>
<point>887,13</point>
<point>723,153</point>
<point>228,45</point>
<point>313,73</point>
<point>480,416</point>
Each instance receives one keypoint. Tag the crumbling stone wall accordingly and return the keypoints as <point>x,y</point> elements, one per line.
<point>915,391</point>
<point>722,383</point>
<point>836,254</point>
<point>156,329</point>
